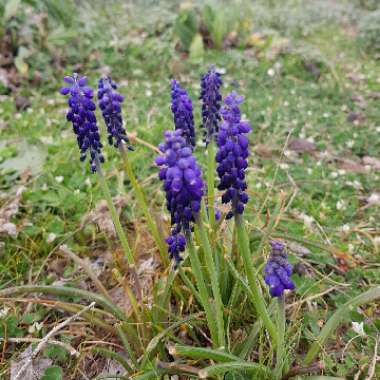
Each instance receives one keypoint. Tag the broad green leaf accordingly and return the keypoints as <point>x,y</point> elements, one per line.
<point>52,373</point>
<point>186,27</point>
<point>196,47</point>
<point>11,9</point>
<point>239,366</point>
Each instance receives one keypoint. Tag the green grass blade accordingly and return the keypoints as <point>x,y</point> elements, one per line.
<point>155,341</point>
<point>202,353</point>
<point>219,369</point>
<point>66,292</point>
<point>336,318</point>
<point>113,355</point>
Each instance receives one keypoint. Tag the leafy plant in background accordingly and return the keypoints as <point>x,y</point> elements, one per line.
<point>220,269</point>
<point>212,23</point>
<point>369,31</point>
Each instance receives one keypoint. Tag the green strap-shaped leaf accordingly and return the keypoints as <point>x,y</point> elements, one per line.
<point>336,318</point>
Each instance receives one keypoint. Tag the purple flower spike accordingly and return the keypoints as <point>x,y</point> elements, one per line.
<point>82,116</point>
<point>278,270</point>
<point>110,104</point>
<point>176,244</point>
<point>183,185</point>
<point>232,155</point>
<point>182,108</point>
<point>211,103</point>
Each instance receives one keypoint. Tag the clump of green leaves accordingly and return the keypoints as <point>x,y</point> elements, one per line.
<point>369,31</point>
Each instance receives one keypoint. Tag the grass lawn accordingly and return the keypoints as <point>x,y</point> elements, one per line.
<point>312,94</point>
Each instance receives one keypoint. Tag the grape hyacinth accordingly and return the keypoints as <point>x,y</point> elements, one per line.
<point>278,270</point>
<point>211,103</point>
<point>183,186</point>
<point>232,155</point>
<point>110,104</point>
<point>182,108</point>
<point>81,114</point>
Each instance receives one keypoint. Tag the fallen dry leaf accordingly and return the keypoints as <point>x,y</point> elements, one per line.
<point>301,145</point>
<point>355,117</point>
<point>351,166</point>
<point>298,248</point>
<point>371,161</point>
<point>8,211</point>
<point>34,371</point>
<point>264,150</point>
<point>146,270</point>
<point>102,217</point>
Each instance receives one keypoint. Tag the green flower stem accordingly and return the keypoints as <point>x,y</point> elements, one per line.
<point>243,246</point>
<point>281,337</point>
<point>119,229</point>
<point>202,288</point>
<point>205,243</point>
<point>141,199</point>
<point>211,183</point>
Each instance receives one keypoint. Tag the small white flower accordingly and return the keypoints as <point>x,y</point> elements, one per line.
<point>307,219</point>
<point>350,143</point>
<point>76,191</point>
<point>326,115</point>
<point>9,228</point>
<point>258,185</point>
<point>374,199</point>
<point>284,166</point>
<point>286,104</point>
<point>59,178</point>
<point>87,182</point>
<point>340,205</point>
<point>271,72</point>
<point>51,237</point>
<point>341,172</point>
<point>345,228</point>
<point>148,93</point>
<point>44,187</point>
<point>351,248</point>
<point>35,327</point>
<point>309,113</point>
<point>377,129</point>
<point>4,311</point>
<point>358,327</point>
<point>334,174</point>
<point>309,171</point>
<point>221,70</point>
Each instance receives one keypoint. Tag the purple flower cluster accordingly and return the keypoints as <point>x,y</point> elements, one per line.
<point>232,155</point>
<point>82,116</point>
<point>278,270</point>
<point>182,108</point>
<point>211,103</point>
<point>109,102</point>
<point>183,186</point>
<point>176,244</point>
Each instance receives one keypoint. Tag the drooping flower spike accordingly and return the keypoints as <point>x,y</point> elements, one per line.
<point>110,104</point>
<point>82,116</point>
<point>182,108</point>
<point>278,270</point>
<point>211,103</point>
<point>183,185</point>
<point>232,155</point>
